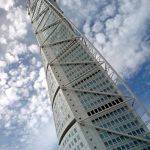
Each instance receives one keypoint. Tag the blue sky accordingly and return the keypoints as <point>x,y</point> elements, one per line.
<point>119,29</point>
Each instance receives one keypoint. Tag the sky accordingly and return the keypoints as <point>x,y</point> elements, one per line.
<point>119,29</point>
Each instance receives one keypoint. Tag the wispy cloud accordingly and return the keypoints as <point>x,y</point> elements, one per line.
<point>6,4</point>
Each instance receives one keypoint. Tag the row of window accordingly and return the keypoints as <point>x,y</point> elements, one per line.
<point>74,71</point>
<point>131,145</point>
<point>117,119</point>
<point>61,113</point>
<point>71,47</point>
<point>92,101</point>
<point>67,46</point>
<point>116,115</point>
<point>61,33</point>
<point>120,122</point>
<point>137,132</point>
<point>91,77</point>
<point>120,126</point>
<point>47,35</point>
<point>104,107</point>
<point>122,139</point>
<point>60,52</point>
<point>96,75</point>
<point>60,48</point>
<point>128,143</point>
<point>51,19</point>
<point>51,84</point>
<point>96,81</point>
<point>77,53</point>
<point>72,141</point>
<point>112,114</point>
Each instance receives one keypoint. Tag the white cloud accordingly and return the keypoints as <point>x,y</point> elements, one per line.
<point>13,50</point>
<point>6,4</point>
<point>125,38</point>
<point>86,28</point>
<point>3,40</point>
<point>4,101</point>
<point>34,48</point>
<point>100,38</point>
<point>3,27</point>
<point>2,64</point>
<point>3,77</point>
<point>18,47</point>
<point>46,139</point>
<point>19,21</point>
<point>11,94</point>
<point>98,26</point>
<point>11,58</point>
<point>33,75</point>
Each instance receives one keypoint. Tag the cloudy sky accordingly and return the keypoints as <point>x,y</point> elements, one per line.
<point>120,29</point>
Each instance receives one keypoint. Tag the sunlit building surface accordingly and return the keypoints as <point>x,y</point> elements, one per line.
<point>92,106</point>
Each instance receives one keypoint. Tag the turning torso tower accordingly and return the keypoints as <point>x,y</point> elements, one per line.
<point>92,106</point>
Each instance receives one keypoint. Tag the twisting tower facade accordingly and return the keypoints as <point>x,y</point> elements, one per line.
<point>92,106</point>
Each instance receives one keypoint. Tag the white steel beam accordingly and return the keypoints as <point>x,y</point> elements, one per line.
<point>66,49</point>
<point>59,42</point>
<point>49,26</point>
<point>94,92</point>
<point>50,33</point>
<point>114,132</point>
<point>40,14</point>
<point>35,5</point>
<point>42,20</point>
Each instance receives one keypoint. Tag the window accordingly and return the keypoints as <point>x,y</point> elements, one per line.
<point>114,141</point>
<point>118,139</point>
<point>127,146</point>
<point>123,147</point>
<point>81,144</point>
<point>78,147</point>
<point>75,130</point>
<point>142,130</point>
<point>110,142</point>
<point>75,140</point>
<point>136,143</point>
<point>106,144</point>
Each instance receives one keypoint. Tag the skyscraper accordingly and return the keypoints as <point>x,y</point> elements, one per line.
<point>93,108</point>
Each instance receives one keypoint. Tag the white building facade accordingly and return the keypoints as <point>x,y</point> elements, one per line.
<point>92,106</point>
